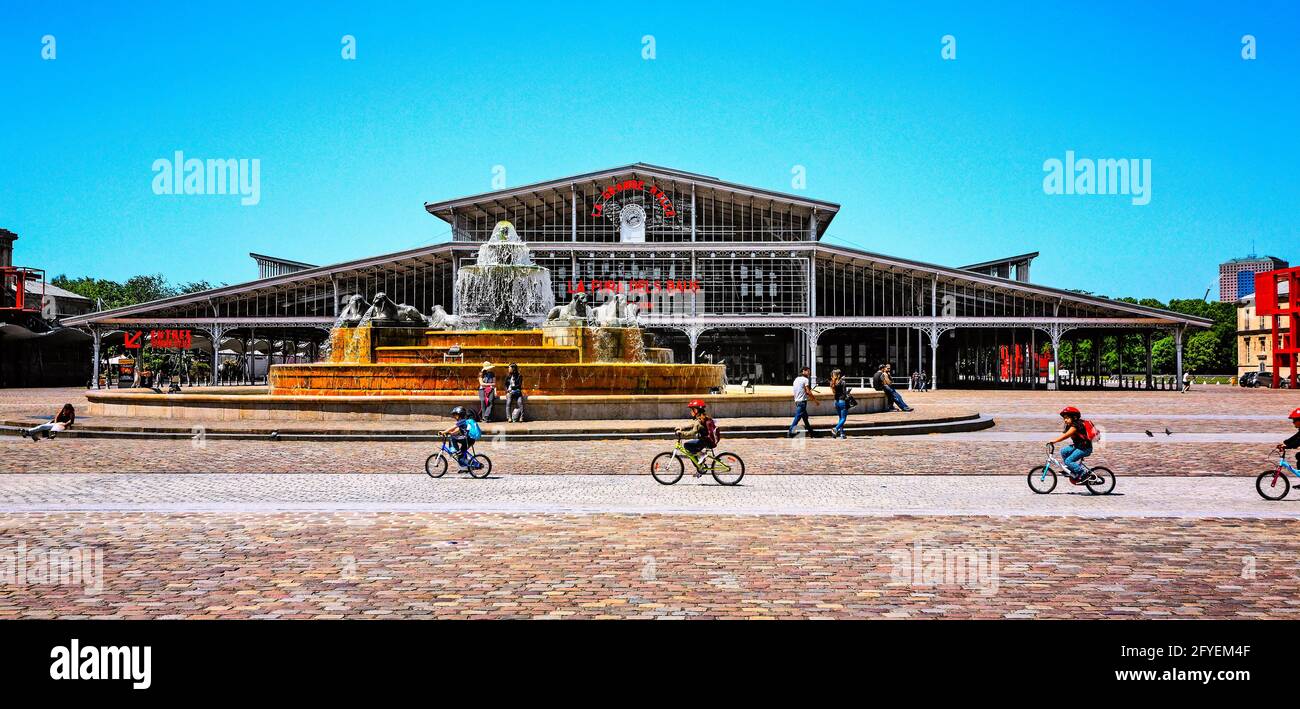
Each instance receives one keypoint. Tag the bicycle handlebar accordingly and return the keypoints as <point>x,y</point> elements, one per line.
<point>1051,447</point>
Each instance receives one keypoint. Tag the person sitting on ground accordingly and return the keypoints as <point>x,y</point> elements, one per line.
<point>462,432</point>
<point>701,431</point>
<point>59,422</point>
<point>1080,445</point>
<point>1293,441</point>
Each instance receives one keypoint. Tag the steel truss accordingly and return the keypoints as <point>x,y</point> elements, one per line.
<point>813,328</point>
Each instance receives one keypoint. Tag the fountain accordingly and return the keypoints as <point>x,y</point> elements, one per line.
<point>504,286</point>
<point>577,350</point>
<point>387,361</point>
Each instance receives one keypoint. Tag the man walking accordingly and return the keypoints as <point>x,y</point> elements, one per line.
<point>802,392</point>
<point>1187,382</point>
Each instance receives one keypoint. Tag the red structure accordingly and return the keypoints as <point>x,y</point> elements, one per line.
<point>21,290</point>
<point>1275,298</point>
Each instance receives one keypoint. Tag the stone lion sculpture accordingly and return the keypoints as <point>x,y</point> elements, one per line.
<point>575,309</point>
<point>440,319</point>
<point>614,311</point>
<point>353,311</point>
<point>408,314</point>
<point>382,310</point>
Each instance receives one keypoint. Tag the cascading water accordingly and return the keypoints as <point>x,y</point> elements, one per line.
<point>504,287</point>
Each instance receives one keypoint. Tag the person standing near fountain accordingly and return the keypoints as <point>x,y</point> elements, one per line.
<point>487,390</point>
<point>514,394</point>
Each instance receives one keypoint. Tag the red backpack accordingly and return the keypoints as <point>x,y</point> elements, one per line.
<point>711,432</point>
<point>1090,431</point>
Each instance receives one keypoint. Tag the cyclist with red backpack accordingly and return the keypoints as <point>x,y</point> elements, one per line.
<point>1081,433</point>
<point>701,433</point>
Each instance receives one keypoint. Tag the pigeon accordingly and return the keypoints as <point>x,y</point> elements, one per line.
<point>1168,432</point>
<point>1150,434</point>
<point>275,435</point>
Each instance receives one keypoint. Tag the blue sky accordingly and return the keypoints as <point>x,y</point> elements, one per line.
<point>930,159</point>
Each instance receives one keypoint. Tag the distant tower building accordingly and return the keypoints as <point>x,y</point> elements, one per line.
<point>7,239</point>
<point>1237,277</point>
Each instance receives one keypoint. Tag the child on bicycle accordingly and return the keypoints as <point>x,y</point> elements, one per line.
<point>461,433</point>
<point>1293,441</point>
<point>1080,445</point>
<point>697,433</point>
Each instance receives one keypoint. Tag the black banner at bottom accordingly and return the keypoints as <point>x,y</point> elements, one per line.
<point>213,659</point>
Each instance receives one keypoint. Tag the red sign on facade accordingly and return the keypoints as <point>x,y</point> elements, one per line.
<point>635,285</point>
<point>171,339</point>
<point>131,340</point>
<point>659,196</point>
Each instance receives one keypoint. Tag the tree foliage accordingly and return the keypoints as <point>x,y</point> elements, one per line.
<point>1204,351</point>
<point>108,294</point>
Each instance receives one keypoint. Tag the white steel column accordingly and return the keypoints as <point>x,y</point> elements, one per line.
<point>692,215</point>
<point>934,337</point>
<point>94,369</point>
<point>1178,356</point>
<point>216,331</point>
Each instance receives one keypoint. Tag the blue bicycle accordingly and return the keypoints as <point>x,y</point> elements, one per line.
<point>1042,478</point>
<point>477,464</point>
<point>1273,484</point>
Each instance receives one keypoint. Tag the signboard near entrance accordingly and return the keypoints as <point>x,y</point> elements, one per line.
<point>171,339</point>
<point>160,340</point>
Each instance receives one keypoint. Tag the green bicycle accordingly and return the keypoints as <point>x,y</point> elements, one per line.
<point>668,468</point>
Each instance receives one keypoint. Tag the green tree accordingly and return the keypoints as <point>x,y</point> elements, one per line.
<point>1201,354</point>
<point>110,294</point>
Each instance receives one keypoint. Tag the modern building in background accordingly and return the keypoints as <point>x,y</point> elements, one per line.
<point>722,272</point>
<point>1237,277</point>
<point>1254,340</point>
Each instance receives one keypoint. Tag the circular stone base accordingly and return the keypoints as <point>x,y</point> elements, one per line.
<point>213,404</point>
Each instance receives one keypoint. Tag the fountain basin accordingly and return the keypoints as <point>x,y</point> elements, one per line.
<point>573,378</point>
<point>221,404</point>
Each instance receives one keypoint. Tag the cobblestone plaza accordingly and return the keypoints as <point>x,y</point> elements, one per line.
<point>819,528</point>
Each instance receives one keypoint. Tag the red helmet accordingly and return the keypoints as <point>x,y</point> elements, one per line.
<point>697,404</point>
<point>1069,410</point>
<point>1294,415</point>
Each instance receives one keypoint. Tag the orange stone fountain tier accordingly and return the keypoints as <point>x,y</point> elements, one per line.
<point>555,360</point>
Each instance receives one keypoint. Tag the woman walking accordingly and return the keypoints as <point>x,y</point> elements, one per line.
<point>841,392</point>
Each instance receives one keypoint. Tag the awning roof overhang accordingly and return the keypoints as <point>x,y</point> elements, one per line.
<point>539,194</point>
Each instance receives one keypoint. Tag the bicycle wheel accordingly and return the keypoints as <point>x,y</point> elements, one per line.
<point>1272,485</point>
<point>727,468</point>
<point>485,469</point>
<point>1106,485</point>
<point>1042,480</point>
<point>435,466</point>
<point>667,468</point>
